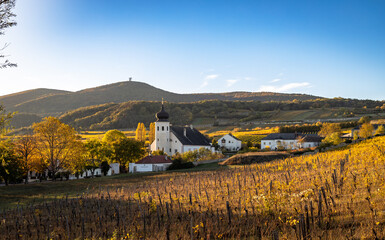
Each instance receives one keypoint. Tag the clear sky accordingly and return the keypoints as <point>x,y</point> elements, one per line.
<point>325,48</point>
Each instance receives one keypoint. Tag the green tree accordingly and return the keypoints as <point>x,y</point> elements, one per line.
<point>215,144</point>
<point>56,143</point>
<point>126,150</point>
<point>6,21</point>
<point>10,163</point>
<point>97,152</point>
<point>366,130</point>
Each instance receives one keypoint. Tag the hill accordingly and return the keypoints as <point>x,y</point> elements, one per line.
<point>13,100</point>
<point>219,113</point>
<point>56,103</point>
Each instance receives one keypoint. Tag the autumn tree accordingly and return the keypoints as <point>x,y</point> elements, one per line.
<point>56,143</point>
<point>151,133</point>
<point>4,120</point>
<point>76,159</point>
<point>140,133</point>
<point>25,147</point>
<point>380,130</point>
<point>364,119</point>
<point>113,135</point>
<point>366,130</point>
<point>331,133</point>
<point>328,129</point>
<point>6,21</point>
<point>10,163</point>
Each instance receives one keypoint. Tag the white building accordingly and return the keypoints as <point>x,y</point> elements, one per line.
<point>114,169</point>
<point>174,139</point>
<point>276,141</point>
<point>151,164</point>
<point>230,142</point>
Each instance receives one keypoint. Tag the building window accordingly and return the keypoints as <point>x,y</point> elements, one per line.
<point>176,150</point>
<point>158,128</point>
<point>167,128</point>
<point>162,128</point>
<point>158,139</point>
<point>223,140</point>
<point>170,150</point>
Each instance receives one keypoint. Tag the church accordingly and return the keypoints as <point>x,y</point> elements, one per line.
<point>175,139</point>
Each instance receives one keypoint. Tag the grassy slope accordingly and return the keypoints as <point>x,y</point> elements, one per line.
<point>23,194</point>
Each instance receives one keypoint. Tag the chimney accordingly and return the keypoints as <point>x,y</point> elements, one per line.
<point>184,132</point>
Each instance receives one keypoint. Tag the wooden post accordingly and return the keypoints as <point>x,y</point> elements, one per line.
<point>228,211</point>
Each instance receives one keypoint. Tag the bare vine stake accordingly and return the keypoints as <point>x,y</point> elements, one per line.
<point>307,218</point>
<point>319,209</point>
<point>324,195</point>
<point>228,211</point>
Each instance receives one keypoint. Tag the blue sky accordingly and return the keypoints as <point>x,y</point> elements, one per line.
<point>324,48</point>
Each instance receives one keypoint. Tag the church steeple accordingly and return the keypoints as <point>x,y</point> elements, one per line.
<point>162,115</point>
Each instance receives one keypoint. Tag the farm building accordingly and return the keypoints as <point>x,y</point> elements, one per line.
<point>276,141</point>
<point>230,142</point>
<point>175,139</point>
<point>151,164</point>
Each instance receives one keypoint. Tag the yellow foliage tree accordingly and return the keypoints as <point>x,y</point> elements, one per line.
<point>380,130</point>
<point>56,143</point>
<point>151,133</point>
<point>328,129</point>
<point>366,130</point>
<point>25,147</point>
<point>140,134</point>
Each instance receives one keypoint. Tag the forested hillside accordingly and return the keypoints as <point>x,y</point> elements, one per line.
<point>215,112</point>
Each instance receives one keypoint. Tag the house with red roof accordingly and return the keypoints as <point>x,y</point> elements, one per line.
<point>151,164</point>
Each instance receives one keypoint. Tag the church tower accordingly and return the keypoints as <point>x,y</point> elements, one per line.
<point>162,131</point>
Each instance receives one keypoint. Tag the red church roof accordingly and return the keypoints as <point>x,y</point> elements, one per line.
<point>154,160</point>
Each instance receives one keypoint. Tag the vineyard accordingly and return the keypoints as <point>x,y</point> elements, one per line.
<point>332,195</point>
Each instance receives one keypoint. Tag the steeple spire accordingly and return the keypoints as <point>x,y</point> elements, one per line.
<point>162,115</point>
